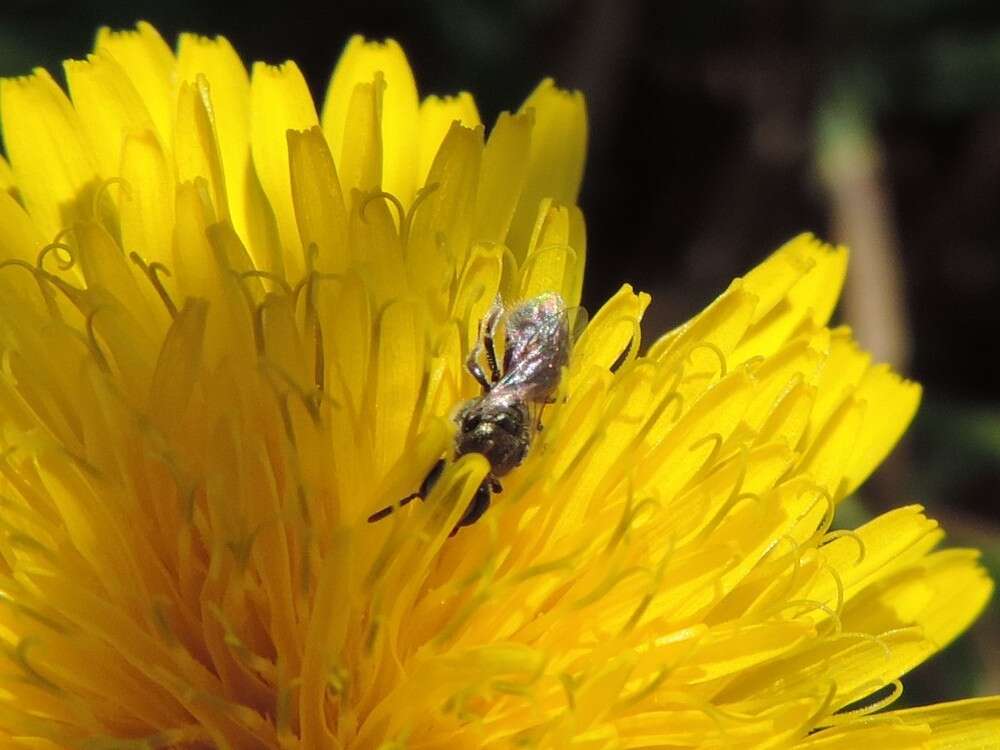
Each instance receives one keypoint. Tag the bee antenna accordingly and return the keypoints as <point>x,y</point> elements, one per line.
<point>390,509</point>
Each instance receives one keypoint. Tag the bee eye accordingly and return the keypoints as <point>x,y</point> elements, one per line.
<point>471,422</point>
<point>507,423</point>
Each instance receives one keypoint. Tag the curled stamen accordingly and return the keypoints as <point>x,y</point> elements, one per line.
<point>20,656</point>
<point>569,689</point>
<point>532,259</point>
<point>102,191</point>
<point>308,282</point>
<point>319,357</point>
<point>312,320</point>
<point>310,399</point>
<point>789,585</point>
<point>34,614</point>
<point>407,222</point>
<point>152,272</point>
<point>646,690</point>
<point>654,588</point>
<point>609,583</point>
<point>717,439</point>
<point>312,253</point>
<point>629,353</point>
<point>711,460</point>
<point>828,513</point>
<point>715,350</point>
<point>41,277</point>
<point>822,708</point>
<point>736,496</point>
<point>102,361</point>
<point>520,688</point>
<point>838,582</point>
<point>843,717</point>
<point>629,514</point>
<point>464,319</point>
<point>578,462</point>
<point>631,381</point>
<point>255,273</point>
<point>63,262</point>
<point>808,605</point>
<point>848,534</point>
<point>869,638</point>
<point>396,203</point>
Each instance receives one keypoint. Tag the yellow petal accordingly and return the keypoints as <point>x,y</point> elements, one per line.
<point>54,167</point>
<point>797,362</point>
<point>196,149</point>
<point>398,375</point>
<point>554,262</point>
<point>798,285</point>
<point>683,450</point>
<point>108,106</point>
<point>104,265</point>
<point>726,651</point>
<point>703,345</point>
<point>555,160</point>
<point>876,549</point>
<point>147,208</point>
<point>505,167</point>
<point>6,176</point>
<point>20,237</point>
<point>361,151</point>
<point>149,64</point>
<point>614,330</point>
<point>943,593</point>
<point>319,204</point>
<point>398,130</point>
<point>961,725</point>
<point>177,366</point>
<point>376,248</point>
<point>887,736</point>
<point>477,288</point>
<point>436,116</point>
<point>441,229</point>
<point>891,403</point>
<point>845,366</point>
<point>280,101</point>
<point>829,452</point>
<point>229,93</point>
<point>549,253</point>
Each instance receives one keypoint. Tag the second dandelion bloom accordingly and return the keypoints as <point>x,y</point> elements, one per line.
<point>234,326</point>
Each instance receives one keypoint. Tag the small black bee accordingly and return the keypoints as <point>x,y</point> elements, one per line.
<point>498,423</point>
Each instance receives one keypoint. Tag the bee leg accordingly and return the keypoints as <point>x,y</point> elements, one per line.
<point>496,486</point>
<point>480,504</point>
<point>491,357</point>
<point>492,323</point>
<point>541,410</point>
<point>472,365</point>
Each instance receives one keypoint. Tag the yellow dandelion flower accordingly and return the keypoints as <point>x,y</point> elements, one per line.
<point>233,327</point>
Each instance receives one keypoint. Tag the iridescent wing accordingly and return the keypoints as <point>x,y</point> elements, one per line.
<point>538,336</point>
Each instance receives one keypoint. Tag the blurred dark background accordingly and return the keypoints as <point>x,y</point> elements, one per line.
<point>718,131</point>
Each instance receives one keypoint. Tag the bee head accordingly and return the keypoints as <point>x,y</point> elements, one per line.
<point>498,431</point>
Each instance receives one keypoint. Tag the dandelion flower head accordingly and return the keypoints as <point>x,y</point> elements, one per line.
<point>233,324</point>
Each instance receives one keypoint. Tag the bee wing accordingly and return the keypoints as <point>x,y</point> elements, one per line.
<point>538,337</point>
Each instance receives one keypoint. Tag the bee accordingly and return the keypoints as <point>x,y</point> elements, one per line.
<point>501,422</point>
